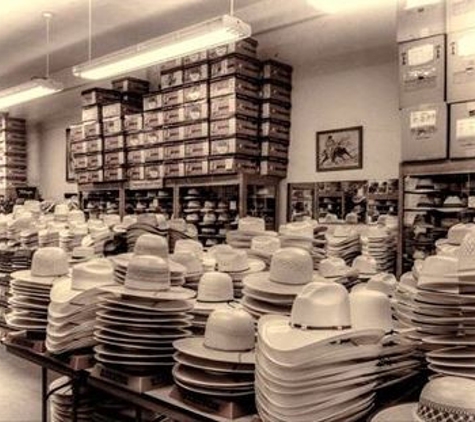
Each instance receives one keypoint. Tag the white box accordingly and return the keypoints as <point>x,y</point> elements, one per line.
<point>462,130</point>
<point>461,66</point>
<point>420,18</point>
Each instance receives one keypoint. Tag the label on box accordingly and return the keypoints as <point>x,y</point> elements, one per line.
<point>425,118</point>
<point>114,159</point>
<point>172,152</point>
<point>195,74</point>
<point>197,149</point>
<point>195,92</point>
<point>153,137</point>
<point>133,122</point>
<point>465,128</point>
<point>153,172</point>
<point>91,130</point>
<point>135,140</point>
<point>197,130</point>
<point>420,55</point>
<point>153,119</point>
<point>172,98</point>
<point>173,134</point>
<point>136,157</point>
<point>152,101</point>
<point>78,147</point>
<point>153,154</point>
<point>171,79</point>
<point>112,125</point>
<point>113,142</point>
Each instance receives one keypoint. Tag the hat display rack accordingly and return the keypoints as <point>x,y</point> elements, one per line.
<point>157,201</point>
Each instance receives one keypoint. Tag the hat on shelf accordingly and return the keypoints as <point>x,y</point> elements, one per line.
<point>208,206</point>
<point>192,206</point>
<point>192,193</point>
<point>192,217</point>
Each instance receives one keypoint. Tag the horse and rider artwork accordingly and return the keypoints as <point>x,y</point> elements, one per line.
<point>340,149</point>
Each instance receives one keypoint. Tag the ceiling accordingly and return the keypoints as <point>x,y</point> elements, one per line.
<point>290,30</point>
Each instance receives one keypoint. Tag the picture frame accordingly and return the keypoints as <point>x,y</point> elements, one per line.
<point>70,173</point>
<point>339,149</point>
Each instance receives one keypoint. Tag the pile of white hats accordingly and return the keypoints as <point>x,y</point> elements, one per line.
<point>344,243</point>
<point>215,291</point>
<point>381,245</point>
<point>48,237</point>
<point>273,291</point>
<point>30,290</point>
<point>29,238</point>
<point>136,328</point>
<point>336,269</point>
<point>73,306</point>
<point>263,247</point>
<point>366,266</point>
<point>220,364</point>
<point>248,228</point>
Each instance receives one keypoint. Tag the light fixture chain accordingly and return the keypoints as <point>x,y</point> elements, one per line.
<point>47,18</point>
<point>90,30</point>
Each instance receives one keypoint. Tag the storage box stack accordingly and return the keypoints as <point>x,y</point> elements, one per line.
<point>276,90</point>
<point>12,153</point>
<point>234,103</point>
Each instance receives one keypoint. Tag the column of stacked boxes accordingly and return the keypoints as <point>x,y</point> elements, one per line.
<point>276,91</point>
<point>12,153</point>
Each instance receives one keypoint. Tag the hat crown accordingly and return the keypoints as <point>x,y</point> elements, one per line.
<point>299,228</point>
<point>61,209</point>
<point>189,260</point>
<point>147,272</point>
<point>215,287</point>
<point>447,399</point>
<point>182,245</point>
<point>321,305</point>
<point>383,282</point>
<point>466,253</point>
<point>267,244</point>
<point>437,266</point>
<point>291,266</point>
<point>230,330</point>
<point>151,244</point>
<point>332,267</point>
<point>98,272</point>
<point>49,262</point>
<point>370,309</point>
<point>457,232</point>
<point>232,260</point>
<point>252,224</point>
<point>365,264</point>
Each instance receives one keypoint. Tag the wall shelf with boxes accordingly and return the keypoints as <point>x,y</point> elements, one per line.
<point>436,195</point>
<point>102,198</point>
<point>366,200</point>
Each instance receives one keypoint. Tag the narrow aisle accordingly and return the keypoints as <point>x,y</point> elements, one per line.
<point>20,389</point>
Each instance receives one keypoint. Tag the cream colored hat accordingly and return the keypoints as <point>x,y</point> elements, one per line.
<point>370,309</point>
<point>236,261</point>
<point>191,245</point>
<point>265,245</point>
<point>252,225</point>
<point>192,263</point>
<point>151,244</point>
<point>366,265</point>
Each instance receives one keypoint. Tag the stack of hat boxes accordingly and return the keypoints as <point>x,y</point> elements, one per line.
<point>436,67</point>
<point>13,161</point>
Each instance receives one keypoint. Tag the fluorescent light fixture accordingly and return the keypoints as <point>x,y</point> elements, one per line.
<point>209,34</point>
<point>335,6</point>
<point>31,90</point>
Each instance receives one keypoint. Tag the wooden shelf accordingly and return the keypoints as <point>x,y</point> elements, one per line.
<point>437,167</point>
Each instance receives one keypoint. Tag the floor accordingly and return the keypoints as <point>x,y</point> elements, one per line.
<point>20,389</point>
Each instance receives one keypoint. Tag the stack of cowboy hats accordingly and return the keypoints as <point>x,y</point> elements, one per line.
<point>193,266</point>
<point>263,247</point>
<point>220,364</point>
<point>62,402</point>
<point>248,227</point>
<point>366,265</point>
<point>61,213</point>
<point>273,291</point>
<point>48,237</point>
<point>381,245</point>
<point>30,289</point>
<point>29,238</point>
<point>238,265</point>
<point>146,223</point>
<point>136,328</point>
<point>21,259</point>
<point>344,243</point>
<point>215,291</point>
<point>73,306</point>
<point>335,269</point>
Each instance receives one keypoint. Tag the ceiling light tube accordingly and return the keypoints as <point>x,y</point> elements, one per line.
<point>31,90</point>
<point>205,35</point>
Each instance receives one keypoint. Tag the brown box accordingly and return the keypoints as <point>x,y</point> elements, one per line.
<point>235,146</point>
<point>99,96</point>
<point>196,131</point>
<point>119,109</point>
<point>196,167</point>
<point>12,149</point>
<point>232,165</point>
<point>16,161</point>
<point>422,71</point>
<point>271,91</point>
<point>192,59</point>
<point>276,150</point>
<point>113,126</point>
<point>462,130</point>
<point>235,65</point>
<point>114,174</point>
<point>173,134</point>
<point>80,162</point>
<point>234,126</point>
<point>196,73</point>
<point>153,119</point>
<point>82,177</point>
<point>94,145</point>
<point>129,84</point>
<point>416,21</point>
<point>171,65</point>
<point>187,113</point>
<point>13,124</point>
<point>461,66</point>
<point>247,47</point>
<point>114,159</point>
<point>460,15</point>
<point>92,113</point>
<point>94,162</point>
<point>76,132</point>
<point>172,79</point>
<point>271,167</point>
<point>136,157</point>
<point>275,130</point>
<point>79,147</point>
<point>13,137</point>
<point>172,98</point>
<point>424,132</point>
<point>95,176</point>
<point>234,85</point>
<point>136,172</point>
<point>231,105</point>
<point>91,129</point>
<point>153,137</point>
<point>277,71</point>
<point>133,122</point>
<point>134,140</point>
<point>196,149</point>
<point>174,169</point>
<point>152,101</point>
<point>153,155</point>
<point>174,151</point>
<point>154,171</point>
<point>195,92</point>
<point>275,111</point>
<point>114,142</point>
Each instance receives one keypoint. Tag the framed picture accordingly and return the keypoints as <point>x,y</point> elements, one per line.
<point>70,174</point>
<point>340,149</point>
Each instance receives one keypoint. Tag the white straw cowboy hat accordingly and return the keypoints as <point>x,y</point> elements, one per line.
<point>335,267</point>
<point>265,246</point>
<point>371,309</point>
<point>48,265</point>
<point>229,337</point>
<point>191,262</point>
<point>149,277</point>
<point>189,245</point>
<point>215,291</point>
<point>443,399</point>
<point>236,262</point>
<point>290,270</point>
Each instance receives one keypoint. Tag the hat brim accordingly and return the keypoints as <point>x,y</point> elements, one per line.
<point>25,275</point>
<point>213,306</point>
<point>403,412</point>
<point>63,292</point>
<point>255,266</point>
<point>195,347</point>
<point>173,293</point>
<point>261,282</point>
